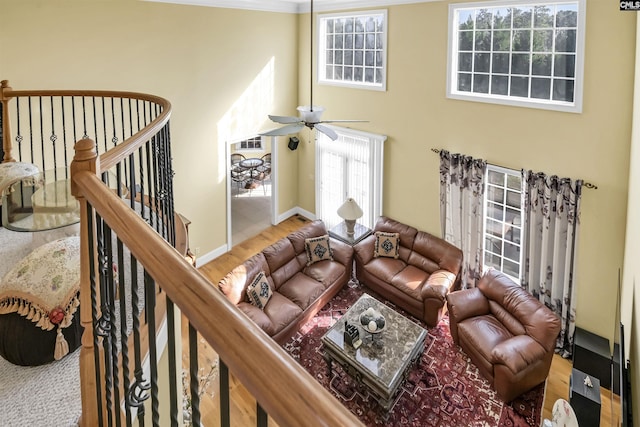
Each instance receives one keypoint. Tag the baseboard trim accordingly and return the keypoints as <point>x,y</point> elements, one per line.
<point>210,256</point>
<point>296,211</point>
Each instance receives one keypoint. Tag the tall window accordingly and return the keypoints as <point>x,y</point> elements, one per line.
<point>351,166</point>
<point>503,220</point>
<point>352,49</point>
<point>254,143</point>
<point>526,53</point>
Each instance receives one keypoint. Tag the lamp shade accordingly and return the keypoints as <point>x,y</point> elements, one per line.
<point>350,210</point>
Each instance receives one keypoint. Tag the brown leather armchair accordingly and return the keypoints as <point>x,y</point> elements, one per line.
<point>508,334</point>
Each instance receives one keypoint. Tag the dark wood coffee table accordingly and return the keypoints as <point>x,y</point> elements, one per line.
<point>383,361</point>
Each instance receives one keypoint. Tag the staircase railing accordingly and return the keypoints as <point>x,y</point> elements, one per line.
<point>133,278</point>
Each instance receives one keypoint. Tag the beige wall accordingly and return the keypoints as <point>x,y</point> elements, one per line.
<point>223,70</point>
<point>630,299</point>
<point>416,115</point>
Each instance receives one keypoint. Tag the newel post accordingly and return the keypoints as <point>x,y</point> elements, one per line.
<point>6,125</point>
<point>86,160</point>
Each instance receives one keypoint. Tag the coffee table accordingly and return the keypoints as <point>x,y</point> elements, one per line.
<point>383,361</point>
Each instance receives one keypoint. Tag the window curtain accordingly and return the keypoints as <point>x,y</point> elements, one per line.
<point>550,234</point>
<point>461,206</point>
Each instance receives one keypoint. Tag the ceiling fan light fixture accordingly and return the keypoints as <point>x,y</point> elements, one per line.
<point>311,114</point>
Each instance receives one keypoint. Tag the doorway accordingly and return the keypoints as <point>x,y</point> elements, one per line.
<point>251,187</point>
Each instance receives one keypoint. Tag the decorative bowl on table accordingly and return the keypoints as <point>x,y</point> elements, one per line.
<point>372,321</point>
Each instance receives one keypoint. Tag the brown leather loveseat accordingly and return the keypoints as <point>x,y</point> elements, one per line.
<point>508,334</point>
<point>299,290</point>
<point>418,280</point>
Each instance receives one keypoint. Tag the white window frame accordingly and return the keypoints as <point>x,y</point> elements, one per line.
<point>452,61</point>
<point>504,226</point>
<point>239,149</point>
<point>322,48</point>
<point>370,198</point>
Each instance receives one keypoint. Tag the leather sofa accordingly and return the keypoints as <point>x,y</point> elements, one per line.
<point>508,334</point>
<point>299,290</point>
<point>418,281</point>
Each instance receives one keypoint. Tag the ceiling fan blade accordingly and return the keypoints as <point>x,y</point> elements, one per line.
<point>285,130</point>
<point>327,131</point>
<point>285,119</point>
<point>344,121</point>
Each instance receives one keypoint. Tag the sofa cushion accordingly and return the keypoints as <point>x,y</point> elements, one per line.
<point>277,314</point>
<point>318,249</point>
<point>386,245</point>
<point>313,229</point>
<point>234,284</point>
<point>410,281</point>
<point>482,334</point>
<point>385,268</point>
<point>259,291</point>
<point>326,272</point>
<point>301,290</point>
<point>282,261</point>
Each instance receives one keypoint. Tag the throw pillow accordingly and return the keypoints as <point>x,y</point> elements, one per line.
<point>387,245</point>
<point>259,291</point>
<point>318,249</point>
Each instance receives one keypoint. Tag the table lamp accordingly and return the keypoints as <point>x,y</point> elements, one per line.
<point>350,212</point>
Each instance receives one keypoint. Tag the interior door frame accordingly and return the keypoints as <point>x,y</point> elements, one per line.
<point>274,187</point>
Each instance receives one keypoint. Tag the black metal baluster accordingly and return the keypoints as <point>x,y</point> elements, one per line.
<point>64,132</point>
<point>53,136</point>
<point>225,418</point>
<point>158,195</point>
<point>105,322</point>
<point>19,137</point>
<point>170,174</point>
<point>261,415</point>
<point>31,131</point>
<point>84,121</point>
<point>138,391</point>
<point>97,333</point>
<point>194,381</point>
<point>42,149</point>
<point>124,338</point>
<point>111,287</point>
<point>95,123</point>
<point>150,310</point>
<point>173,368</point>
<point>153,196</point>
<point>104,124</point>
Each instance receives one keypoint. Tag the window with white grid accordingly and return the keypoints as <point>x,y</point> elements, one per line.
<point>254,144</point>
<point>352,49</point>
<point>503,220</point>
<point>518,53</point>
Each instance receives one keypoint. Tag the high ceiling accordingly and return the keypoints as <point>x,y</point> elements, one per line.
<point>292,6</point>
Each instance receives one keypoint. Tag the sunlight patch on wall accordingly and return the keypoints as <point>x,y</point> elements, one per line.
<point>247,115</point>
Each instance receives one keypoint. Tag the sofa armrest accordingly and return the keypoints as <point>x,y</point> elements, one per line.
<point>342,252</point>
<point>467,303</point>
<point>438,285</point>
<point>363,251</point>
<point>517,353</point>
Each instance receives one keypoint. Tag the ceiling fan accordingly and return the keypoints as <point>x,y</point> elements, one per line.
<point>310,115</point>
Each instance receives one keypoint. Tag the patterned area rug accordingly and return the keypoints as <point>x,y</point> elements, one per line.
<point>444,389</point>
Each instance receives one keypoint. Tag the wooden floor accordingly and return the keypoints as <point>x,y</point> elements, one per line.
<point>243,404</point>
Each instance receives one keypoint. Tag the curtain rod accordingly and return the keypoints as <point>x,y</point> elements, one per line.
<point>584,184</point>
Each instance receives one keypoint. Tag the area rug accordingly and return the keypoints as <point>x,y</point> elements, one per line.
<point>443,389</point>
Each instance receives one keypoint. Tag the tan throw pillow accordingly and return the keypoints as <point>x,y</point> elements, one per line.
<point>387,245</point>
<point>318,249</point>
<point>259,291</point>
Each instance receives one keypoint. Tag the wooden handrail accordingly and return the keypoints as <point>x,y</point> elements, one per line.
<point>284,389</point>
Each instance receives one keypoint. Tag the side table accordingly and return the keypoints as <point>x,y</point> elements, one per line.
<point>339,232</point>
<point>584,400</point>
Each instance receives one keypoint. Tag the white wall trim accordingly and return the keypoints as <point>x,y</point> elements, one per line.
<point>210,256</point>
<point>292,6</point>
<point>297,210</point>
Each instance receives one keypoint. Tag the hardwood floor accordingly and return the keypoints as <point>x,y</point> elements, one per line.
<point>243,404</point>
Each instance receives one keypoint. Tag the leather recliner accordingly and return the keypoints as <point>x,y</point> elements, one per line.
<point>508,334</point>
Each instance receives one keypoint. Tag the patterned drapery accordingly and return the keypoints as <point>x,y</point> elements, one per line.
<point>550,233</point>
<point>461,203</point>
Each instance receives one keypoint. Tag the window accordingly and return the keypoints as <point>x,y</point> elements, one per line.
<point>351,166</point>
<point>352,49</point>
<point>254,143</point>
<point>525,54</point>
<point>503,220</point>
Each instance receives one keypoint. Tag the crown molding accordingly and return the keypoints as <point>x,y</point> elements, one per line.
<point>291,6</point>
